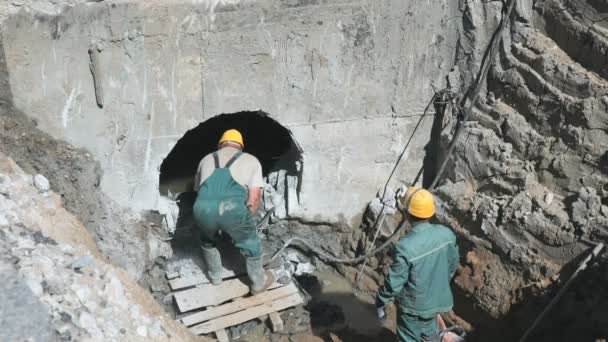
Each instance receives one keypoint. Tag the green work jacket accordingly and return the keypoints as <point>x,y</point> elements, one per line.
<point>419,277</point>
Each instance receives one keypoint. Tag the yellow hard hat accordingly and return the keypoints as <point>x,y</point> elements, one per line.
<point>420,203</point>
<point>232,135</point>
<point>410,191</point>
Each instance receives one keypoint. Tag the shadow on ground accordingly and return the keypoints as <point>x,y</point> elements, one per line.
<point>336,313</point>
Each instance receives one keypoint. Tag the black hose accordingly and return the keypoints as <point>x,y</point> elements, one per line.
<point>330,258</point>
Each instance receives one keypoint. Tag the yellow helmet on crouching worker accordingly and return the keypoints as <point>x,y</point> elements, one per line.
<point>420,203</point>
<point>232,135</point>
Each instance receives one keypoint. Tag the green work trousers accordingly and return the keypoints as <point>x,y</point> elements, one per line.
<point>412,328</point>
<point>220,205</point>
<point>231,216</point>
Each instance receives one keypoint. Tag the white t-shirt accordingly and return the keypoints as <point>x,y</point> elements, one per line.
<point>246,170</point>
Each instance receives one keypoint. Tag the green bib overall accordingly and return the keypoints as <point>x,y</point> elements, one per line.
<point>221,205</point>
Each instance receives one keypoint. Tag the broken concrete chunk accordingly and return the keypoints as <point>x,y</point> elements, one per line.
<point>375,207</point>
<point>549,198</point>
<point>157,248</point>
<point>4,184</point>
<point>524,9</point>
<point>155,330</point>
<point>41,183</point>
<point>82,262</point>
<point>304,268</point>
<point>35,287</point>
<point>142,331</point>
<point>167,299</point>
<point>386,196</point>
<point>293,257</point>
<point>87,322</point>
<point>604,210</point>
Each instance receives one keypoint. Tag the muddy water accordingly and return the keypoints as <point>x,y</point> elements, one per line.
<point>358,309</point>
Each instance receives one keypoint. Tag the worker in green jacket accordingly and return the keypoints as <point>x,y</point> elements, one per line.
<point>229,184</point>
<point>419,278</point>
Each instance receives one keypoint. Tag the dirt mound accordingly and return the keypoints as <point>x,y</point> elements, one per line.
<point>130,241</point>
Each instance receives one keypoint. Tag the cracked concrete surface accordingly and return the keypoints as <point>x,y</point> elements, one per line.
<point>334,73</point>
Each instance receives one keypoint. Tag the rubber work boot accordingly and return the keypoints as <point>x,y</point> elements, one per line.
<point>260,280</point>
<point>214,264</point>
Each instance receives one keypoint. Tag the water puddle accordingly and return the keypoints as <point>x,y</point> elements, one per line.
<point>355,312</point>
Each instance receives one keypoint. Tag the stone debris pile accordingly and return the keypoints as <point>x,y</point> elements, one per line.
<point>60,286</point>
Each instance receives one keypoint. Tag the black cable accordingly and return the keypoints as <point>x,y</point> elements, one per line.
<point>330,258</point>
<point>470,100</point>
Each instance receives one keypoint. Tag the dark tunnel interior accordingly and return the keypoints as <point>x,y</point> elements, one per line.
<point>264,137</point>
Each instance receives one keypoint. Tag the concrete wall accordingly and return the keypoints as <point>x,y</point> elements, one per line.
<point>349,78</point>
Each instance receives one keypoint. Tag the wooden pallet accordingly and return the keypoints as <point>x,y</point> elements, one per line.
<point>178,283</point>
<point>228,304</point>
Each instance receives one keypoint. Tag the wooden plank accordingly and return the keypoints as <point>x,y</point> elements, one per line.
<point>247,314</point>
<point>221,335</point>
<point>183,282</point>
<point>209,294</point>
<point>172,275</point>
<point>276,322</point>
<point>239,304</point>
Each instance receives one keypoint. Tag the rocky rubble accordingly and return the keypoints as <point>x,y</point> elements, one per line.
<point>71,291</point>
<point>75,175</point>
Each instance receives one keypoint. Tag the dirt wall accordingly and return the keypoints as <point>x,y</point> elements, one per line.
<point>527,182</point>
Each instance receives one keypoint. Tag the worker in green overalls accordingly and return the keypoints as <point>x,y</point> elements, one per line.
<point>419,278</point>
<point>229,184</point>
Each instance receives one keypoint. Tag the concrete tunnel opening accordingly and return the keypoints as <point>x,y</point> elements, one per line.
<point>265,138</point>
<point>330,303</point>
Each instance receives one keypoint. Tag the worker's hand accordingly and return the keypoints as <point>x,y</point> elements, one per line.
<point>380,309</point>
<point>381,313</point>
